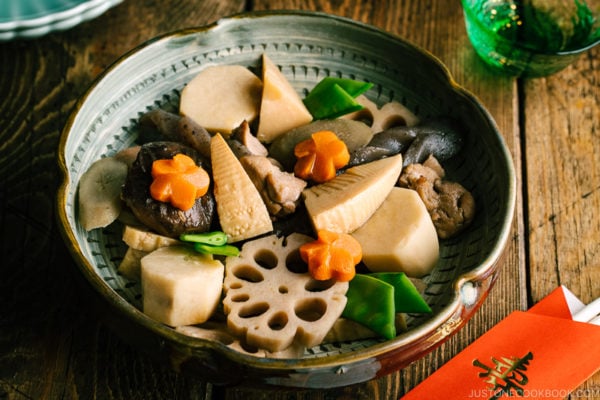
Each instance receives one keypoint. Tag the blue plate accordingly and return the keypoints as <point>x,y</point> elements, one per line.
<point>34,18</point>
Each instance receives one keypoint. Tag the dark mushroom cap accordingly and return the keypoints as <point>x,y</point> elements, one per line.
<point>159,216</point>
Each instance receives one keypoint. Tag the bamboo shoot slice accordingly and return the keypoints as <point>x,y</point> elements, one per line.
<point>346,202</point>
<point>242,212</point>
<point>281,107</point>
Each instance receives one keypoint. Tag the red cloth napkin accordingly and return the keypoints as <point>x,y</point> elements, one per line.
<point>538,354</point>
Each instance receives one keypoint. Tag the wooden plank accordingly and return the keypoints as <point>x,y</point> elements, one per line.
<point>562,122</point>
<point>51,343</point>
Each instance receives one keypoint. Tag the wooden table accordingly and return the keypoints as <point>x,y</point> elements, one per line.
<point>51,343</point>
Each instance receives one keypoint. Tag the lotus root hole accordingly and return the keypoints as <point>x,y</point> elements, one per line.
<point>266,259</point>
<point>248,348</point>
<point>278,321</point>
<point>295,264</point>
<point>240,298</point>
<point>254,310</point>
<point>393,121</point>
<point>236,285</point>
<point>316,286</point>
<point>248,273</point>
<point>365,116</point>
<point>283,289</point>
<point>310,310</point>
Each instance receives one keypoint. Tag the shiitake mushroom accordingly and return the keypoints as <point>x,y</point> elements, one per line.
<point>159,216</point>
<point>159,124</point>
<point>439,137</point>
<point>355,134</point>
<point>386,143</point>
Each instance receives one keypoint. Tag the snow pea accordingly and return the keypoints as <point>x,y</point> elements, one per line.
<point>210,243</point>
<point>407,298</point>
<point>353,87</point>
<point>371,303</point>
<point>375,299</point>
<point>223,250</point>
<point>216,238</point>
<point>333,97</point>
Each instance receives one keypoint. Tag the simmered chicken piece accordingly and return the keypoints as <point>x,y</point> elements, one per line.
<point>450,205</point>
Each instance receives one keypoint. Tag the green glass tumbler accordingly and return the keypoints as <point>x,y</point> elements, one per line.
<point>517,40</point>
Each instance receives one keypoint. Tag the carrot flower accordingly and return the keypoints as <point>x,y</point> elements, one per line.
<point>332,256</point>
<point>320,156</point>
<point>178,181</point>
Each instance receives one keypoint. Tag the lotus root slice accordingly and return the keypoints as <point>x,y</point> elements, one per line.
<point>272,301</point>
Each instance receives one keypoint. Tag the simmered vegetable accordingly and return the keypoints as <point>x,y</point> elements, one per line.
<point>180,287</point>
<point>242,212</point>
<point>320,157</point>
<point>210,243</point>
<point>347,201</point>
<point>273,307</point>
<point>332,256</point>
<point>281,108</point>
<point>412,249</point>
<point>224,250</point>
<point>387,143</point>
<point>375,299</point>
<point>216,238</point>
<point>159,216</point>
<point>371,303</point>
<point>159,124</point>
<point>390,114</point>
<point>178,181</point>
<point>220,97</point>
<point>407,298</point>
<point>334,97</point>
<point>99,193</point>
<point>439,137</point>
<point>355,134</point>
<point>145,240</point>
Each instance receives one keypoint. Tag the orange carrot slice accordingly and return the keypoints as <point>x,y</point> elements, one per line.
<point>332,256</point>
<point>320,156</point>
<point>178,181</point>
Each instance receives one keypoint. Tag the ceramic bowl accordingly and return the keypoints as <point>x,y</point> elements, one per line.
<point>306,47</point>
<point>35,18</point>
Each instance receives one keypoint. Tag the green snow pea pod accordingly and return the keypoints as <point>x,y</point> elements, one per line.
<point>224,250</point>
<point>406,296</point>
<point>371,303</point>
<point>333,97</point>
<point>216,238</point>
<point>353,87</point>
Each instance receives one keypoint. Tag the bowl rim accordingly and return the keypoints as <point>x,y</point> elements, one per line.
<point>456,308</point>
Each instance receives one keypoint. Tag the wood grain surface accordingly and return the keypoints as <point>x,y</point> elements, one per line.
<point>52,345</point>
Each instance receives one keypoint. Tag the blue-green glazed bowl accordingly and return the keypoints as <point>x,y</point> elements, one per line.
<point>306,47</point>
